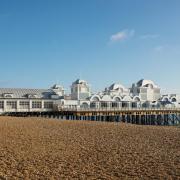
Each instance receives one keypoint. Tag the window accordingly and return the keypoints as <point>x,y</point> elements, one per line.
<point>84,105</point>
<point>8,95</point>
<point>1,104</point>
<point>93,105</point>
<point>125,104</point>
<point>134,105</point>
<point>104,104</point>
<point>48,105</point>
<point>114,104</point>
<point>11,104</point>
<point>23,104</point>
<point>36,104</point>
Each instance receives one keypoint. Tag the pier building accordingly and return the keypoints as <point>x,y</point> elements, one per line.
<point>116,102</point>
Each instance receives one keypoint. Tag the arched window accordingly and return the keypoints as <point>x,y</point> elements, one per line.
<point>84,105</point>
<point>166,99</point>
<point>173,100</point>
<point>95,98</point>
<point>8,95</point>
<point>117,99</point>
<point>136,99</point>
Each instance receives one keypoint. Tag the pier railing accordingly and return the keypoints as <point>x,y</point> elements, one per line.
<point>118,109</point>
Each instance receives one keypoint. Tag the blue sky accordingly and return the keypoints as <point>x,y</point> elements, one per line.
<point>47,41</point>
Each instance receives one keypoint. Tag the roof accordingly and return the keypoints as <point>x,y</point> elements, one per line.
<point>80,81</point>
<point>22,93</point>
<point>57,86</point>
<point>146,83</point>
<point>116,86</point>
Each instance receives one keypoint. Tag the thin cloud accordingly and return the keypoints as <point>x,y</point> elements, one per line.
<point>170,48</point>
<point>122,35</point>
<point>149,36</point>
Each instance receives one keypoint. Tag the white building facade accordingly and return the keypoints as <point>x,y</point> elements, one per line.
<point>147,90</point>
<point>143,94</point>
<point>80,90</point>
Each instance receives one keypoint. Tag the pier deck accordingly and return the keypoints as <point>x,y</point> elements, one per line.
<point>144,116</point>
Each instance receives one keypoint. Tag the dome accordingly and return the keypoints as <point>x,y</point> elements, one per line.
<point>116,86</point>
<point>57,86</point>
<point>146,83</point>
<point>79,81</point>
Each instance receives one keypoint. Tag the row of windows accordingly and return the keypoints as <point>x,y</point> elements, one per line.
<point>11,104</point>
<point>26,105</point>
<point>48,105</point>
<point>36,104</point>
<point>113,104</point>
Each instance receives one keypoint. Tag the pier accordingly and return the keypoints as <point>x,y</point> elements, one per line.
<point>142,103</point>
<point>141,116</point>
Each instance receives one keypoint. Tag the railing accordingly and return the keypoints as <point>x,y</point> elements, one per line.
<point>80,109</point>
<point>25,110</point>
<point>119,109</point>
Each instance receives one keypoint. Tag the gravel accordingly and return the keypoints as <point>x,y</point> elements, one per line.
<point>37,148</point>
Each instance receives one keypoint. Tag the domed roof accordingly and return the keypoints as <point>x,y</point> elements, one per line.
<point>79,81</point>
<point>116,86</point>
<point>57,86</point>
<point>146,83</point>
